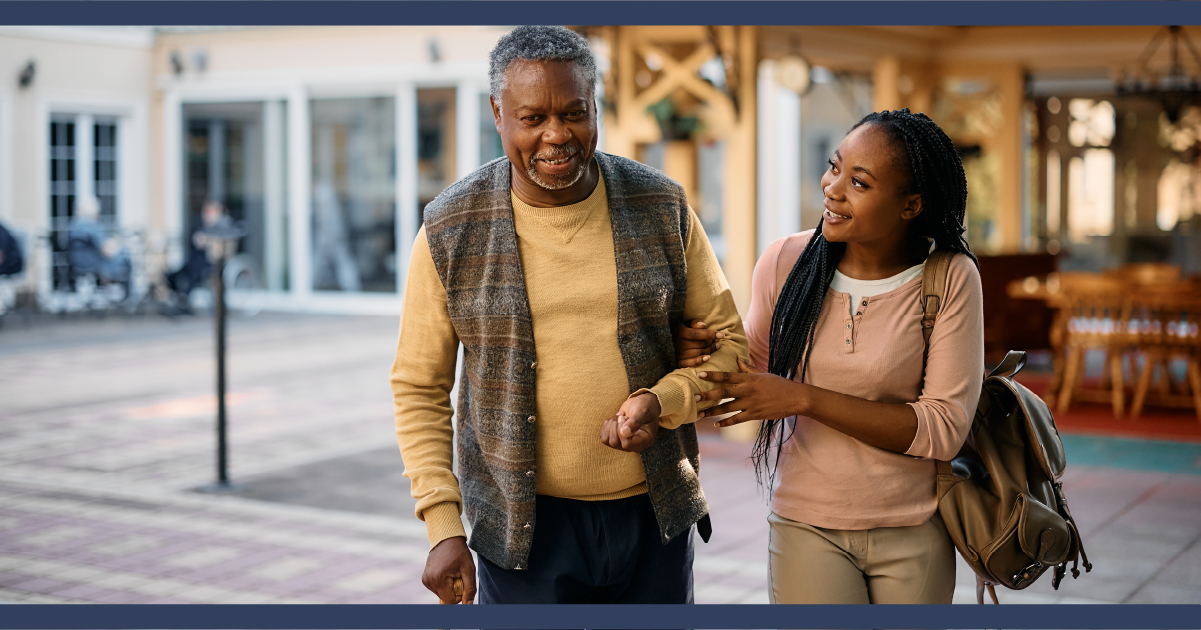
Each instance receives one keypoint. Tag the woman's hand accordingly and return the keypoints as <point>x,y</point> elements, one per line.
<point>694,343</point>
<point>757,395</point>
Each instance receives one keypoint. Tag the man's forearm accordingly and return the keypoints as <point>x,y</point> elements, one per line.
<point>677,389</point>
<point>708,299</point>
<point>421,379</point>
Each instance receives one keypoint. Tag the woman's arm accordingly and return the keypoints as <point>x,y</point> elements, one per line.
<point>761,396</point>
<point>933,426</point>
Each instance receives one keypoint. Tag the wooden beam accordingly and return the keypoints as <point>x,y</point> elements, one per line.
<point>739,199</point>
<point>885,87</point>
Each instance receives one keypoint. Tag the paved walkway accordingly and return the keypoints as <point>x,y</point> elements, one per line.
<point>106,429</point>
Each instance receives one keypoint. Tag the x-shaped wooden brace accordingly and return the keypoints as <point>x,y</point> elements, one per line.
<point>683,75</point>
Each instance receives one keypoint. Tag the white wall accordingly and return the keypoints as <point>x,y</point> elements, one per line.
<point>79,70</point>
<point>779,176</point>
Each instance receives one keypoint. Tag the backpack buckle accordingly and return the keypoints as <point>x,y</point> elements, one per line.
<point>1021,578</point>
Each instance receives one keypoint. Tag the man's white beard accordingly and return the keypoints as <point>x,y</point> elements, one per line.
<point>566,180</point>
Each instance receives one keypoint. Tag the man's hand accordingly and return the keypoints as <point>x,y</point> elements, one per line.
<point>450,560</point>
<point>694,343</point>
<point>635,426</point>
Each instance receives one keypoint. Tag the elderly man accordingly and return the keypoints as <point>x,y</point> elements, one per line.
<point>561,271</point>
<point>89,248</point>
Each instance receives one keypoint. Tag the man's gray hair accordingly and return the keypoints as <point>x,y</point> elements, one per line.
<point>540,43</point>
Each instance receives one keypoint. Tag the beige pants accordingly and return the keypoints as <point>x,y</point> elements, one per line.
<point>886,565</point>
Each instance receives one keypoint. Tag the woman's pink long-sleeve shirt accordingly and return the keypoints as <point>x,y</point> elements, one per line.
<point>829,479</point>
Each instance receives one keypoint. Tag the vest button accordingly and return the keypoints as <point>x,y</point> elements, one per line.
<point>864,303</point>
<point>848,341</point>
<point>529,473</point>
<point>527,526</point>
<point>531,419</point>
<point>848,325</point>
<point>533,365</point>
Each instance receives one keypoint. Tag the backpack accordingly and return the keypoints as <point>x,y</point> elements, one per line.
<point>1001,498</point>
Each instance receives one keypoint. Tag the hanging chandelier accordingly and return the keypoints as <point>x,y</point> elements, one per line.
<point>1174,89</point>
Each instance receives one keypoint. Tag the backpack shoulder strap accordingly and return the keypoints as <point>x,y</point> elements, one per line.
<point>934,285</point>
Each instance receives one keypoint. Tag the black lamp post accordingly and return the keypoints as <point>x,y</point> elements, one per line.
<point>220,241</point>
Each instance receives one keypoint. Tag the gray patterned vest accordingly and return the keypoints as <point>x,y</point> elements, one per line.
<point>473,243</point>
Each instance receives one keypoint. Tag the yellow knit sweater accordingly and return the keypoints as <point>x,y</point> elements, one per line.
<point>571,279</point>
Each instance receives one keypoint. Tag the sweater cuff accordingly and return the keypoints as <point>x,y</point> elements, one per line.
<point>442,521</point>
<point>673,401</point>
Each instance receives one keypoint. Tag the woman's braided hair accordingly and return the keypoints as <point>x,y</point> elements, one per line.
<point>936,173</point>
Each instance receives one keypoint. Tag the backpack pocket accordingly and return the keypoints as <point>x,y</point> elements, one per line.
<point>1034,538</point>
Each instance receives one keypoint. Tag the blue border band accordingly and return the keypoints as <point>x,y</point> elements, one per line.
<point>353,617</point>
<point>589,12</point>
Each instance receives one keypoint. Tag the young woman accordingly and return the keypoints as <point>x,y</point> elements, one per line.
<point>852,426</point>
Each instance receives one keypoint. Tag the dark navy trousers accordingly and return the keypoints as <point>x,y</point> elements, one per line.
<point>595,552</point>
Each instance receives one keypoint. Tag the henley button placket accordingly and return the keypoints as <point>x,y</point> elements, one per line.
<point>848,344</point>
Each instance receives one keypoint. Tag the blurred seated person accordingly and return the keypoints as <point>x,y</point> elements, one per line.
<point>196,269</point>
<point>90,250</point>
<point>11,261</point>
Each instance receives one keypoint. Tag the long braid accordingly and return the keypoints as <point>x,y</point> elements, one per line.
<point>936,173</point>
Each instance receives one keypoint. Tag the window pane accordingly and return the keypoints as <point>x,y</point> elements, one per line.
<point>1090,194</point>
<point>62,199</point>
<point>1053,193</point>
<point>435,143</point>
<point>711,168</point>
<point>354,194</point>
<point>104,171</point>
<point>490,146</point>
<point>225,163</point>
<point>1177,195</point>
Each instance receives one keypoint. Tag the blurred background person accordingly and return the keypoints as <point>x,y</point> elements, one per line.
<point>92,251</point>
<point>11,260</point>
<point>333,264</point>
<point>196,269</point>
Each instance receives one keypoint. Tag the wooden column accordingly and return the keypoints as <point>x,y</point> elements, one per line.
<point>619,139</point>
<point>885,73</point>
<point>1008,147</point>
<point>739,201</point>
<point>680,164</point>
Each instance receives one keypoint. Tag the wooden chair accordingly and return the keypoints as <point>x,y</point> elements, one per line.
<point>1093,317</point>
<point>1054,290</point>
<point>1165,323</point>
<point>1147,273</point>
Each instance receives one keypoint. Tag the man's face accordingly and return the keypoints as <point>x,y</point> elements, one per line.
<point>211,213</point>
<point>547,122</point>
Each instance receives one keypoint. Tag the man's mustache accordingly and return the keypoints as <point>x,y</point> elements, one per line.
<point>559,152</point>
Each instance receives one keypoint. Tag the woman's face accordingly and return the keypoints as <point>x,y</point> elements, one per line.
<point>865,188</point>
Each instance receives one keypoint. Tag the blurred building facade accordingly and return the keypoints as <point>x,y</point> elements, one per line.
<point>328,141</point>
<point>325,142</point>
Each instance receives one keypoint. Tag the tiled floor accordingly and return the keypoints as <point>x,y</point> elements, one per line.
<point>106,429</point>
